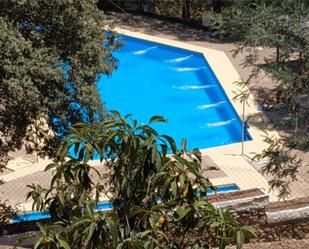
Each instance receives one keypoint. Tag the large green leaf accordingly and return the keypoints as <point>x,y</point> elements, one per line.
<point>182,212</point>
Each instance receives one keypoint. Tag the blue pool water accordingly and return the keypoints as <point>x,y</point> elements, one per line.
<point>155,79</point>
<point>31,216</point>
<point>223,189</point>
<point>104,206</point>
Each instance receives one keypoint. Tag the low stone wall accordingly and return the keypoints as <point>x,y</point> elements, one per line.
<point>273,221</point>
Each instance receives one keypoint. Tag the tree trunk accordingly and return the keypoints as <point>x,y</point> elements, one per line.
<point>185,9</point>
<point>141,5</point>
<point>277,54</point>
<point>243,128</point>
<point>217,6</point>
<point>296,123</point>
<point>300,63</point>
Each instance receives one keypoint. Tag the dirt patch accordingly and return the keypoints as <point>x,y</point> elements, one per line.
<point>283,244</point>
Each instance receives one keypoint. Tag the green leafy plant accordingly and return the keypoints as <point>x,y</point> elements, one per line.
<point>157,191</point>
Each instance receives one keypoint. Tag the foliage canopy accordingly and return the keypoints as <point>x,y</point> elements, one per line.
<point>51,54</point>
<point>284,27</point>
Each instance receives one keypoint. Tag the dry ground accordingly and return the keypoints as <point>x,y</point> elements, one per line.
<point>283,244</point>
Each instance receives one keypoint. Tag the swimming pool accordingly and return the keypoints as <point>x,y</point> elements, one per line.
<point>107,205</point>
<point>156,79</point>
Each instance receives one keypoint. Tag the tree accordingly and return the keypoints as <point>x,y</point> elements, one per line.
<point>242,95</point>
<point>281,163</point>
<point>159,199</point>
<point>185,10</point>
<point>7,212</point>
<point>51,54</point>
<point>282,25</point>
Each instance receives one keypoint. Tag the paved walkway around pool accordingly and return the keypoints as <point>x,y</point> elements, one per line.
<point>15,188</point>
